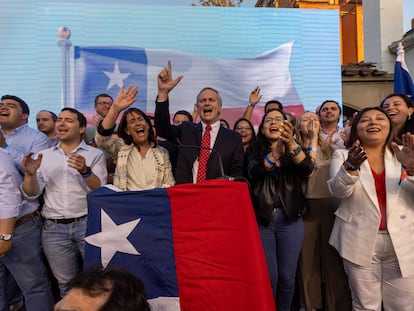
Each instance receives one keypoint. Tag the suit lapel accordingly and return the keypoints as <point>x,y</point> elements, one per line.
<point>368,183</point>
<point>392,176</point>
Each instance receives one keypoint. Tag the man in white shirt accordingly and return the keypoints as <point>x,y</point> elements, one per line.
<point>67,172</point>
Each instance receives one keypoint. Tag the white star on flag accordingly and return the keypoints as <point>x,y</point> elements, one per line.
<point>116,77</point>
<point>113,238</point>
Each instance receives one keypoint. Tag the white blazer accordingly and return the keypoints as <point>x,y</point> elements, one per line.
<point>358,216</point>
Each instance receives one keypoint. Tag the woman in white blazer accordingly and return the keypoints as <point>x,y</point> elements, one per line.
<point>374,225</point>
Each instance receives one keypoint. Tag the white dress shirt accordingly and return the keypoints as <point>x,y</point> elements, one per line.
<point>65,189</point>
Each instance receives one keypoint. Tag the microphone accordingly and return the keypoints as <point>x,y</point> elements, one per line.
<point>220,160</point>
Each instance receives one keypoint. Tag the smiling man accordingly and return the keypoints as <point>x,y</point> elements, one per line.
<point>67,172</point>
<point>16,136</point>
<point>195,161</point>
<point>329,116</point>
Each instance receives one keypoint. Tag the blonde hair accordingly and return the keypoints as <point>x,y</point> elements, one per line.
<point>323,146</point>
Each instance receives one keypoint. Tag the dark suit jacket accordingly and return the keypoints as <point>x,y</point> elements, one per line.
<point>228,145</point>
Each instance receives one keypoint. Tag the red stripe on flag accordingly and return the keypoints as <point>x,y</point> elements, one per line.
<point>218,252</point>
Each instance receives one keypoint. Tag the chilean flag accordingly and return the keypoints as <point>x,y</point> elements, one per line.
<point>104,69</point>
<point>402,80</point>
<point>195,246</point>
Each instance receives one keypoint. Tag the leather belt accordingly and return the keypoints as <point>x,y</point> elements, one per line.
<point>66,220</point>
<point>22,220</point>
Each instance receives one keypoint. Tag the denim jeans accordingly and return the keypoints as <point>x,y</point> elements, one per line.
<point>63,245</point>
<point>25,262</point>
<point>282,242</point>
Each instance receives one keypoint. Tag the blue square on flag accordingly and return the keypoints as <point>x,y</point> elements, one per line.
<point>104,70</point>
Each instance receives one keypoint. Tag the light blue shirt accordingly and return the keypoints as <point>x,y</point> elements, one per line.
<point>10,180</point>
<point>23,140</point>
<point>65,189</point>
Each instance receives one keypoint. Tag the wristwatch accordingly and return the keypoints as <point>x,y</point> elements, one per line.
<point>296,151</point>
<point>6,236</point>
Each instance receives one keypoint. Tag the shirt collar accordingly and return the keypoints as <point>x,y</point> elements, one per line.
<point>16,130</point>
<point>82,145</point>
<point>214,127</point>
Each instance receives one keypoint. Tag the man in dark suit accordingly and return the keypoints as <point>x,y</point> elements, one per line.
<point>227,143</point>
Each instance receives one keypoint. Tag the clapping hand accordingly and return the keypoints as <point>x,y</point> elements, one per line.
<point>31,165</point>
<point>405,155</point>
<point>356,154</point>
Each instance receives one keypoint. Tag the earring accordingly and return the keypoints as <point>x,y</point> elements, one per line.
<point>409,117</point>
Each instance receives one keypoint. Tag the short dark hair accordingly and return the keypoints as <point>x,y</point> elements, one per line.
<point>54,116</point>
<point>102,95</point>
<point>23,105</point>
<point>126,291</point>
<point>330,101</point>
<point>185,113</point>
<point>273,101</point>
<point>123,125</point>
<point>81,117</point>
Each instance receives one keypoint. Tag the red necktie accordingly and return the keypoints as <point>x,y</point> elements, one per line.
<point>204,155</point>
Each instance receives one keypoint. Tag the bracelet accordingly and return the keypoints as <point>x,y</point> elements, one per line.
<point>5,146</point>
<point>312,149</point>
<point>269,161</point>
<point>296,151</point>
<point>351,167</point>
<point>87,174</point>
<point>252,105</point>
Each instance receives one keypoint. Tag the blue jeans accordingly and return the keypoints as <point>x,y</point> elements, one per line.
<point>64,247</point>
<point>282,242</point>
<point>25,262</point>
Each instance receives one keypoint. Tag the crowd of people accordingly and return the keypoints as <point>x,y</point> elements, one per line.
<point>334,206</point>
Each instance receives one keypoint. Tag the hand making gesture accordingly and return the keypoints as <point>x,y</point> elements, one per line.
<point>166,82</point>
<point>255,96</point>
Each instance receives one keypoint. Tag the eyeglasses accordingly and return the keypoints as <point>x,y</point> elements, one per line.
<point>241,128</point>
<point>104,103</point>
<point>277,120</point>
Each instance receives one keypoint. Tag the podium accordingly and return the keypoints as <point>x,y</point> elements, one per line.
<point>195,246</point>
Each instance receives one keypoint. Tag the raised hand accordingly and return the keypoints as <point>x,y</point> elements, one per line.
<point>313,130</point>
<point>286,133</point>
<point>166,82</point>
<point>125,98</point>
<point>405,155</point>
<point>255,96</point>
<point>31,165</point>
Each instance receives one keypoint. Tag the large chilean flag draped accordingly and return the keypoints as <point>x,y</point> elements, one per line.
<point>195,246</point>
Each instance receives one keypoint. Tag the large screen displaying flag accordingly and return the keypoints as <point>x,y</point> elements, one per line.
<point>292,54</point>
<point>195,246</point>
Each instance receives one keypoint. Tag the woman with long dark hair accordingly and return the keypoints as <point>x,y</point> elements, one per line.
<point>141,164</point>
<point>276,171</point>
<point>400,108</point>
<point>373,230</point>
